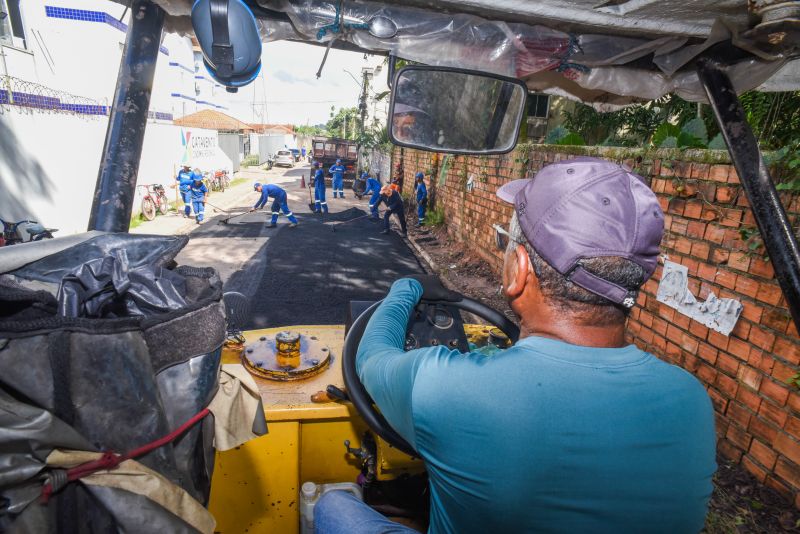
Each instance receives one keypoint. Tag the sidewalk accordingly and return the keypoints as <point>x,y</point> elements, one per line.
<point>236,199</point>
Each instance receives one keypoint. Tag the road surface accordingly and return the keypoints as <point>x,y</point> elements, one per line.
<point>302,275</point>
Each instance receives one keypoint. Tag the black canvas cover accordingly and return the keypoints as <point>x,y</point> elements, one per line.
<point>106,346</point>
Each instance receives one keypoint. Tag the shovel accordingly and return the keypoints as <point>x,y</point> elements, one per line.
<point>226,212</point>
<point>311,204</point>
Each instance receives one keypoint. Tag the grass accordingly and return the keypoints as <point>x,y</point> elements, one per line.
<point>136,220</point>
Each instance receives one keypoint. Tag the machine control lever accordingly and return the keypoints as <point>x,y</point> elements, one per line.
<point>358,453</point>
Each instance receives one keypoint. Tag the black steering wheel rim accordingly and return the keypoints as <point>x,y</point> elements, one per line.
<point>358,394</point>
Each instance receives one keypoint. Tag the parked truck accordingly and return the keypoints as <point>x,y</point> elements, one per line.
<point>328,149</point>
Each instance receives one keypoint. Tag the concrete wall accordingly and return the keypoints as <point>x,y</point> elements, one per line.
<point>231,145</point>
<point>746,373</point>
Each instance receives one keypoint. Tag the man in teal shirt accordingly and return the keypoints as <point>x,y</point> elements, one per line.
<point>570,430</point>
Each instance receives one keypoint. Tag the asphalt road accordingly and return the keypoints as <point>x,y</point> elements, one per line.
<point>302,275</point>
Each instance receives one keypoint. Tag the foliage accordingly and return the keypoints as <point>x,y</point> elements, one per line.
<point>693,134</point>
<point>555,134</point>
<point>343,123</point>
<point>250,160</point>
<point>434,217</point>
<point>571,139</point>
<point>309,131</point>
<point>785,164</point>
<point>794,380</point>
<point>774,117</point>
<point>634,124</point>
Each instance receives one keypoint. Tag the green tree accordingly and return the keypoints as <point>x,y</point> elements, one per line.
<point>309,130</point>
<point>344,123</point>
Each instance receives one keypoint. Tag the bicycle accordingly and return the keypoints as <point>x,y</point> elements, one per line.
<point>154,200</point>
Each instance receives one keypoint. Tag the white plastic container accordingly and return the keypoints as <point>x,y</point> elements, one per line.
<point>310,494</point>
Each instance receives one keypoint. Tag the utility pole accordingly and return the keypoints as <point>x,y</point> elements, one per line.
<point>365,74</point>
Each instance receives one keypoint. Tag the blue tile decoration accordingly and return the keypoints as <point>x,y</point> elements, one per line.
<point>91,16</point>
<point>184,67</point>
<point>178,95</point>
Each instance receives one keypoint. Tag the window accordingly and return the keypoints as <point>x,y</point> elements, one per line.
<point>11,30</point>
<point>538,106</point>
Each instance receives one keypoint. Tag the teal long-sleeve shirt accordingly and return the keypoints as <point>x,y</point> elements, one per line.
<point>545,436</point>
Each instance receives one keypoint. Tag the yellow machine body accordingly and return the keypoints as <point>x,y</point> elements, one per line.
<point>256,487</point>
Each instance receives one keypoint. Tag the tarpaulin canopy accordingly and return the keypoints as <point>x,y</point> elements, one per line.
<point>609,54</point>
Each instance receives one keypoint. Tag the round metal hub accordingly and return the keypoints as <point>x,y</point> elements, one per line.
<point>287,356</point>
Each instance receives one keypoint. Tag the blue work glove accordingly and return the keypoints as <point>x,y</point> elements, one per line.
<point>432,288</point>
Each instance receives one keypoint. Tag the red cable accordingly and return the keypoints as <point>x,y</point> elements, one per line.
<point>110,460</point>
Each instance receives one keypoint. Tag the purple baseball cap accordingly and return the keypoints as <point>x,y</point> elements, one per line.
<point>587,208</point>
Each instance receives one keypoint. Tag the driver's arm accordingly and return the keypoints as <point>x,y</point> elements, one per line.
<point>385,369</point>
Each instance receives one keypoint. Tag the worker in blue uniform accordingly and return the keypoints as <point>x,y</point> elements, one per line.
<point>320,206</point>
<point>373,187</point>
<point>394,203</point>
<point>184,181</point>
<point>422,198</point>
<point>278,203</point>
<point>199,193</point>
<point>337,183</point>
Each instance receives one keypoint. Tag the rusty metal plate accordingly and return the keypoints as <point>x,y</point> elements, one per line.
<point>263,359</point>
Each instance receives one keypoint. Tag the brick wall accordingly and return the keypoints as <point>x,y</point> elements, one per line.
<point>707,221</point>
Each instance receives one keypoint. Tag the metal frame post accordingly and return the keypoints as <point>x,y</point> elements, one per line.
<point>768,210</point>
<point>119,166</point>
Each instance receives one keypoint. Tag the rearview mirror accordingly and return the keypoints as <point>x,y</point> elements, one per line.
<point>455,111</point>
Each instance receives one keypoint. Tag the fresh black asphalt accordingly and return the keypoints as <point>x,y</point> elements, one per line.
<point>308,274</point>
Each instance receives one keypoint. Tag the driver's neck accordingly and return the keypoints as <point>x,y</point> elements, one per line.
<point>548,322</point>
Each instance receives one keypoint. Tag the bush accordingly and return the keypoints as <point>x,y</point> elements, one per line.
<point>435,217</point>
<point>250,161</point>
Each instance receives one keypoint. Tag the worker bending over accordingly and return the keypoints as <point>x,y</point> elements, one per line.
<point>184,181</point>
<point>278,203</point>
<point>394,204</point>
<point>199,193</point>
<point>320,206</point>
<point>337,183</point>
<point>422,198</point>
<point>374,188</point>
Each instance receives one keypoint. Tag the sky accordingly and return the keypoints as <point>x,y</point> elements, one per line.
<point>288,91</point>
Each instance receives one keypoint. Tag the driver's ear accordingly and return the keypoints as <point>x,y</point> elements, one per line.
<point>520,268</point>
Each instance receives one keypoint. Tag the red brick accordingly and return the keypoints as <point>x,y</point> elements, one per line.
<point>741,330</point>
<point>718,400</point>
<point>718,340</point>
<point>761,338</point>
<point>681,320</point>
<point>777,320</point>
<point>746,286</point>
<point>700,249</point>
<point>763,454</point>
<point>787,349</point>
<point>751,311</point>
<point>779,486</point>
<point>706,271</point>
<point>693,210</point>
<point>792,426</point>
<point>793,402</point>
<point>726,279</point>
<point>788,471</point>
<point>714,233</point>
<point>739,437</point>
<point>719,173</point>
<point>761,268</point>
<point>729,450</point>
<point>683,245</point>
<point>698,330</point>
<point>707,352</point>
<point>725,194</point>
<point>750,378</point>
<point>738,413</point>
<point>726,385</point>
<point>775,391</point>
<point>731,217</point>
<point>667,313</point>
<point>720,256</point>
<point>754,468</point>
<point>727,364</point>
<point>783,373</point>
<point>733,176</point>
<point>762,429</point>
<point>773,413</point>
<point>769,293</point>
<point>738,348</point>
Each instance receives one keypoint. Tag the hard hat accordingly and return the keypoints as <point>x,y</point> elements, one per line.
<point>364,174</point>
<point>338,161</point>
<point>256,186</point>
<point>419,175</point>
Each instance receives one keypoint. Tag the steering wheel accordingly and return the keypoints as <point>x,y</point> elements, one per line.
<point>355,389</point>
